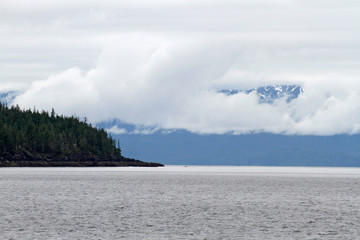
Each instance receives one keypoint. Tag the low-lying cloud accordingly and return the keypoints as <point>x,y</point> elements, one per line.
<point>174,85</point>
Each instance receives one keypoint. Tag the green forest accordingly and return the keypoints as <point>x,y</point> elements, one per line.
<point>43,134</point>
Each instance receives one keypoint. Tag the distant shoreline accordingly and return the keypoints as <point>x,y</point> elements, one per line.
<point>74,161</point>
<point>77,164</point>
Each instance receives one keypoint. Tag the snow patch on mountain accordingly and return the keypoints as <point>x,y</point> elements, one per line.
<point>268,94</point>
<point>8,96</point>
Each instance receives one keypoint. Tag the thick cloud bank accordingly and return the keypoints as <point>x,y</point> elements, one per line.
<point>173,84</point>
<point>162,64</point>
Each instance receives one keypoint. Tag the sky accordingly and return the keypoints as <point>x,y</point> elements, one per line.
<point>160,63</point>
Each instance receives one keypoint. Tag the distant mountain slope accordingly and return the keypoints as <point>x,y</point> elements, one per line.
<point>184,148</point>
<point>8,96</point>
<point>268,94</point>
<point>181,147</point>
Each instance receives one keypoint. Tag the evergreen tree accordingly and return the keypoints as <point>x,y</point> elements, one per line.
<point>43,135</point>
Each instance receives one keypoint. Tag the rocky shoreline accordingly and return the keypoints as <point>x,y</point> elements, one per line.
<point>72,161</point>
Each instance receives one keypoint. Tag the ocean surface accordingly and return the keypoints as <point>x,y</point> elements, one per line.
<point>179,202</point>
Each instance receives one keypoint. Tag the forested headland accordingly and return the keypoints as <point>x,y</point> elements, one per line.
<point>34,138</point>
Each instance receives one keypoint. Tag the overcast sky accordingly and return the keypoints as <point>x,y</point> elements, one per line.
<point>160,63</point>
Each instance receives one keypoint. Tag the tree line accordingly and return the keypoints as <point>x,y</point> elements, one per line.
<point>43,134</point>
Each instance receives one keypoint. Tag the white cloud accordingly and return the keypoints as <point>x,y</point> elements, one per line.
<point>69,92</point>
<point>160,64</point>
<point>116,130</point>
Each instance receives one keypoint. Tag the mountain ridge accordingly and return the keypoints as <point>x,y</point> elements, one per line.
<point>268,94</point>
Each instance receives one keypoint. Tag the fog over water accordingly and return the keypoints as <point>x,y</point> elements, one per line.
<point>178,202</point>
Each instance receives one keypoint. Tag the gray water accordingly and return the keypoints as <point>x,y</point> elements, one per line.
<point>179,203</point>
